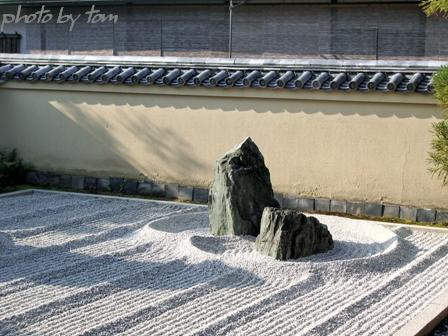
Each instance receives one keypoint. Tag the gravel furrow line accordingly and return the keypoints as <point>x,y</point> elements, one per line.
<point>107,211</point>
<point>207,313</point>
<point>369,298</point>
<point>48,261</point>
<point>317,309</point>
<point>39,207</point>
<point>245,319</point>
<point>128,302</point>
<point>316,305</point>
<point>6,261</point>
<point>79,269</point>
<point>203,309</point>
<point>45,313</point>
<point>244,314</point>
<point>172,301</point>
<point>24,200</point>
<point>37,221</point>
<point>285,317</point>
<point>22,271</point>
<point>416,307</point>
<point>310,306</point>
<point>418,285</point>
<point>56,310</point>
<point>46,292</point>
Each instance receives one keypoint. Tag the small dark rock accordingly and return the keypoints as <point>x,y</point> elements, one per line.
<point>374,209</point>
<point>240,191</point>
<point>426,215</point>
<point>391,211</point>
<point>338,206</point>
<point>157,189</point>
<point>103,184</point>
<point>144,188</point>
<point>90,183</point>
<point>290,202</point>
<point>47,179</point>
<point>130,187</point>
<point>408,212</point>
<point>65,181</point>
<point>280,199</point>
<point>289,234</point>
<point>200,195</point>
<point>322,205</point>
<point>78,182</point>
<point>355,208</point>
<point>442,216</point>
<point>116,184</point>
<point>305,204</point>
<point>185,193</point>
<point>32,178</point>
<point>172,190</point>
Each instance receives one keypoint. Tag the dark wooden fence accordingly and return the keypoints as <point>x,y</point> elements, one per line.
<point>10,43</point>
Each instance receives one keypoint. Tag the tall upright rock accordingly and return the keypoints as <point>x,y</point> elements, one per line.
<point>240,191</point>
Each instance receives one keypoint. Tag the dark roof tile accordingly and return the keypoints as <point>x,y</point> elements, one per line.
<point>349,80</point>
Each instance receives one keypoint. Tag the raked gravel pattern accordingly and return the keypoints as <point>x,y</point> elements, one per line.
<point>83,265</point>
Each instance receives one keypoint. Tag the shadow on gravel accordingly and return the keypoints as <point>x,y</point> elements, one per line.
<point>70,269</point>
<point>182,222</point>
<point>108,275</point>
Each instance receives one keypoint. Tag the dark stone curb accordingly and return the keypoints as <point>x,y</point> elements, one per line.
<point>200,195</point>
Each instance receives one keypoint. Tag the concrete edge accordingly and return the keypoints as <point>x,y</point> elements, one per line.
<point>136,198</point>
<point>415,227</point>
<point>425,321</point>
<point>17,193</point>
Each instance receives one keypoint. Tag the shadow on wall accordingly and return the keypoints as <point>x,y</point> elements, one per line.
<point>381,109</point>
<point>133,133</point>
<point>128,141</point>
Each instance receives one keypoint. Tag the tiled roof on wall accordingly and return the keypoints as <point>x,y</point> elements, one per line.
<point>334,77</point>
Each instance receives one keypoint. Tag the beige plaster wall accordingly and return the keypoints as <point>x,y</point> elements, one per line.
<point>350,146</point>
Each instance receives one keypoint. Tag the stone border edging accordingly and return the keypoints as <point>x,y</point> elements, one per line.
<point>17,193</point>
<point>121,197</point>
<point>175,191</point>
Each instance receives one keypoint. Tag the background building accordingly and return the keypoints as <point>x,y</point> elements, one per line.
<point>260,29</point>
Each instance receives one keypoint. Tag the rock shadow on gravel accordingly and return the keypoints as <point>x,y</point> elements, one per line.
<point>120,272</point>
<point>342,251</point>
<point>223,244</point>
<point>182,222</point>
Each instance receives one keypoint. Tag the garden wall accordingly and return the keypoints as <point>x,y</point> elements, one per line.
<point>355,146</point>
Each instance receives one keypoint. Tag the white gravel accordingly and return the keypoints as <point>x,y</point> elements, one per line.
<point>82,265</point>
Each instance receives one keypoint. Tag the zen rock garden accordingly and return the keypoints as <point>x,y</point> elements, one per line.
<point>241,202</point>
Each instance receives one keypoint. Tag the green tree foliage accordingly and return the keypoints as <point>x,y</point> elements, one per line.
<point>439,154</point>
<point>435,7</point>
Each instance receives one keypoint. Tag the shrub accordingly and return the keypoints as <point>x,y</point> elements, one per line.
<point>439,154</point>
<point>12,168</point>
<point>435,7</point>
